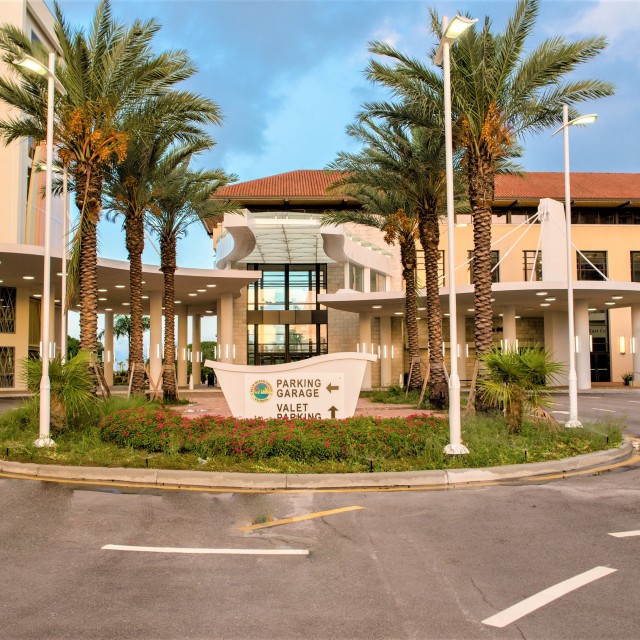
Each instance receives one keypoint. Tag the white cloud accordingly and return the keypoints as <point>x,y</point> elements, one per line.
<point>387,34</point>
<point>614,18</point>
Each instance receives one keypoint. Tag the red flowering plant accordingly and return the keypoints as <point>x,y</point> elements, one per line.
<point>356,439</point>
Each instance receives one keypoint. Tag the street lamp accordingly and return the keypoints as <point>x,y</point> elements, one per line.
<point>573,421</point>
<point>450,31</point>
<point>31,64</point>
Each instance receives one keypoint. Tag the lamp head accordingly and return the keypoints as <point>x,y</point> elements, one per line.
<point>31,64</point>
<point>584,120</point>
<point>457,27</point>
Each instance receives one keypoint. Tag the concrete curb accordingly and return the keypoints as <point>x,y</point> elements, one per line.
<point>269,481</point>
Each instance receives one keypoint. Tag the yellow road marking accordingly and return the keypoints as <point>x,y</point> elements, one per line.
<point>461,485</point>
<point>309,516</point>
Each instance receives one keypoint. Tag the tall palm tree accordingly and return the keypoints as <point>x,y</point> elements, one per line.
<point>106,71</point>
<point>500,93</point>
<point>184,200</point>
<point>133,184</point>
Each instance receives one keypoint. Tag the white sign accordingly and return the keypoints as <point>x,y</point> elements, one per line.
<point>296,394</point>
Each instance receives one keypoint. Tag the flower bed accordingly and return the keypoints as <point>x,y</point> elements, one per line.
<point>354,439</point>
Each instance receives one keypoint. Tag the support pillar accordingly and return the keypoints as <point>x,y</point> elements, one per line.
<point>109,354</point>
<point>182,345</point>
<point>509,335</point>
<point>635,343</point>
<point>385,352</point>
<point>583,357</point>
<point>225,328</point>
<point>196,346</point>
<point>155,338</point>
<point>365,346</point>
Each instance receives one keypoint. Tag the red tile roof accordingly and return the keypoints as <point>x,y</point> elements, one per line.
<point>535,185</point>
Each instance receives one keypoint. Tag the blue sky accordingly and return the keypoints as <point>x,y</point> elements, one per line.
<point>288,75</point>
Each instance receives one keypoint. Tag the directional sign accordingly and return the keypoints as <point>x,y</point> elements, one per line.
<point>294,395</point>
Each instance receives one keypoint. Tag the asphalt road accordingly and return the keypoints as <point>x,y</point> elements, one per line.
<point>416,564</point>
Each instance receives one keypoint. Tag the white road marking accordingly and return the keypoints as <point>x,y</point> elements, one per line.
<point>625,534</point>
<point>607,410</point>
<point>542,598</point>
<point>635,401</point>
<point>566,413</point>
<point>234,552</point>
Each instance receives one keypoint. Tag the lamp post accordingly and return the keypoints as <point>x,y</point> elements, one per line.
<point>573,421</point>
<point>65,241</point>
<point>450,31</point>
<point>30,63</point>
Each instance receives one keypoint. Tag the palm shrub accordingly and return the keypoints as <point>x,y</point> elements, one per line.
<point>516,379</point>
<point>72,398</point>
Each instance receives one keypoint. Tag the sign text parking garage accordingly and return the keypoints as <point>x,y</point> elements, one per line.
<point>294,395</point>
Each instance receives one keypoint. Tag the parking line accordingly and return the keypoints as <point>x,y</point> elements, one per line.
<point>635,401</point>
<point>625,534</point>
<point>308,516</point>
<point>233,552</point>
<point>566,413</point>
<point>607,410</point>
<point>542,598</point>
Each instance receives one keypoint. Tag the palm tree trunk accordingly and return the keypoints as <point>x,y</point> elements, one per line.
<point>409,263</point>
<point>168,268</point>
<point>430,239</point>
<point>135,246</point>
<point>481,189</point>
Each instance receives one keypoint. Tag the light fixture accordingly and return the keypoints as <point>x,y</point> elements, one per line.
<point>376,306</point>
<point>108,309</point>
<point>211,286</point>
<point>542,293</point>
<point>126,304</point>
<point>518,317</point>
<point>208,311</point>
<point>457,27</point>
<point>102,299</point>
<point>632,344</point>
<point>28,277</point>
<point>398,313</point>
<point>100,290</point>
<point>470,310</point>
<point>609,304</point>
<point>119,286</point>
<point>145,297</point>
<point>193,295</point>
<point>622,345</point>
<point>177,302</point>
<point>592,309</point>
<point>201,290</point>
<point>545,304</point>
<point>550,299</point>
<point>422,308</point>
<point>616,297</point>
<point>37,295</point>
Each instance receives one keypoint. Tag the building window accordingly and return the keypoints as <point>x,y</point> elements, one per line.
<point>495,269</point>
<point>7,310</point>
<point>635,266</point>
<point>7,367</point>
<point>528,258</point>
<point>356,277</point>
<point>377,281</point>
<point>292,287</point>
<point>592,265</point>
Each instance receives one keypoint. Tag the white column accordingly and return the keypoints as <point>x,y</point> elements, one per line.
<point>583,358</point>
<point>346,275</point>
<point>155,337</point>
<point>225,328</point>
<point>109,354</point>
<point>635,334</point>
<point>385,352</point>
<point>555,342</point>
<point>365,346</point>
<point>366,280</point>
<point>182,345</point>
<point>195,347</point>
<point>509,327</point>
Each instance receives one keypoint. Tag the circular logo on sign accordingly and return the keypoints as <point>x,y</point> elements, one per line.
<point>261,391</point>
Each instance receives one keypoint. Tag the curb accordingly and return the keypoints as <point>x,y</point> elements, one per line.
<point>269,481</point>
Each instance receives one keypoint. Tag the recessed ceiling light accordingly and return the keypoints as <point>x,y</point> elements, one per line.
<point>202,290</point>
<point>470,310</point>
<point>102,299</point>
<point>616,297</point>
<point>550,299</point>
<point>545,304</point>
<point>422,308</point>
<point>418,318</point>
<point>542,293</point>
<point>376,306</point>
<point>609,304</point>
<point>59,273</point>
<point>1,281</point>
<point>398,313</point>
<point>56,300</point>
<point>446,315</point>
<point>177,302</point>
<point>500,315</point>
<point>125,304</point>
<point>102,290</point>
<point>143,282</point>
<point>208,311</point>
<point>119,286</point>
<point>592,309</point>
<point>145,297</point>
<point>193,295</point>
<point>109,309</point>
<point>518,317</point>
<point>211,286</point>
<point>493,299</point>
<point>27,277</point>
<point>37,295</point>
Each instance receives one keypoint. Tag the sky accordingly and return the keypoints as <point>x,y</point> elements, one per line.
<point>288,76</point>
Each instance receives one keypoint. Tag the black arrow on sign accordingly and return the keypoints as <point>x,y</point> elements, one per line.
<point>332,411</point>
<point>331,388</point>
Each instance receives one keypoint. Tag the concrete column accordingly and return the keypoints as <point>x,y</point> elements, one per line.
<point>195,347</point>
<point>346,276</point>
<point>182,345</point>
<point>462,351</point>
<point>509,335</point>
<point>365,346</point>
<point>366,280</point>
<point>385,352</point>
<point>155,338</point>
<point>109,353</point>
<point>635,334</point>
<point>556,330</point>
<point>583,358</point>
<point>225,328</point>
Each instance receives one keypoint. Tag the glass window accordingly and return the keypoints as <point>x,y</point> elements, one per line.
<point>528,259</point>
<point>356,277</point>
<point>635,266</point>
<point>7,367</point>
<point>378,281</point>
<point>592,265</point>
<point>7,310</point>
<point>495,269</point>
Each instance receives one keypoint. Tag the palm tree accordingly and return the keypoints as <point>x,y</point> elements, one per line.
<point>499,94</point>
<point>133,184</point>
<point>184,200</point>
<point>107,72</point>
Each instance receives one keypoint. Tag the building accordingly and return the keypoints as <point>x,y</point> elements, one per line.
<point>326,289</point>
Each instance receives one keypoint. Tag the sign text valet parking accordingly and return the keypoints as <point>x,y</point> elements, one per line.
<point>294,395</point>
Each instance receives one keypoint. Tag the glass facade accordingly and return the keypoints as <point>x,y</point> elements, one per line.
<point>528,259</point>
<point>285,322</point>
<point>635,266</point>
<point>592,265</point>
